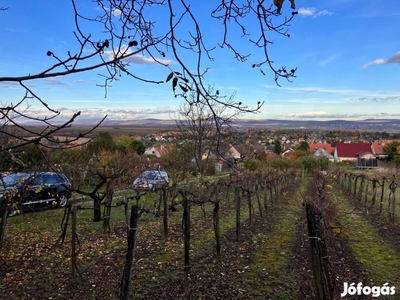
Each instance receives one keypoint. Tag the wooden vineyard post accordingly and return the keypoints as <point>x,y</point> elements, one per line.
<point>73,241</point>
<point>237,198</point>
<point>126,213</point>
<point>313,242</point>
<point>3,225</point>
<point>382,193</point>
<point>366,192</point>
<point>349,183</point>
<point>319,258</point>
<point>361,187</point>
<point>165,212</point>
<point>250,206</point>
<point>130,253</point>
<point>265,196</point>
<point>355,185</point>
<point>186,235</point>
<point>64,225</point>
<point>275,185</point>
<point>392,198</point>
<point>271,193</point>
<point>374,191</point>
<point>258,200</point>
<point>216,228</point>
<point>228,196</point>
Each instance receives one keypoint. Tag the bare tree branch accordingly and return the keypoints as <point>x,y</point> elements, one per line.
<point>112,36</point>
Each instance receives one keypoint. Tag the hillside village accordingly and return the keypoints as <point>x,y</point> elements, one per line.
<point>289,138</point>
<point>364,148</point>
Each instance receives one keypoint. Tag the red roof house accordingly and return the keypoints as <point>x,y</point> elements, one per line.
<point>359,152</point>
<point>377,150</point>
<point>157,151</point>
<point>327,147</point>
<point>350,151</point>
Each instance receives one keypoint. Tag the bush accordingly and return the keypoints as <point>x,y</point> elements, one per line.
<point>282,163</point>
<point>251,165</point>
<point>209,167</point>
<point>311,162</point>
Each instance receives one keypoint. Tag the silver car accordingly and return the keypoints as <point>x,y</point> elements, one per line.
<point>151,180</point>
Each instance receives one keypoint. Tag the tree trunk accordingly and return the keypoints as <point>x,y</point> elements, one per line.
<point>107,210</point>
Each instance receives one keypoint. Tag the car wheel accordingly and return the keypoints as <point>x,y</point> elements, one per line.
<point>62,200</point>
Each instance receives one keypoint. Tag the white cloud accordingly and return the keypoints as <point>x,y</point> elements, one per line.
<point>9,84</point>
<point>386,115</point>
<point>377,99</point>
<point>312,12</point>
<point>322,115</point>
<point>395,59</point>
<point>307,11</point>
<point>116,12</point>
<point>120,114</point>
<point>53,81</point>
<point>316,89</point>
<point>96,114</point>
<point>328,60</point>
<point>139,59</point>
<point>136,58</point>
<point>324,13</point>
<point>311,114</point>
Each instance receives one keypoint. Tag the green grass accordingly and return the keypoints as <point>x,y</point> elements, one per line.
<point>272,258</point>
<point>377,256</point>
<point>267,271</point>
<point>368,197</point>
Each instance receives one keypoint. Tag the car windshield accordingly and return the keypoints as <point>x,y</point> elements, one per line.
<point>12,179</point>
<point>149,175</point>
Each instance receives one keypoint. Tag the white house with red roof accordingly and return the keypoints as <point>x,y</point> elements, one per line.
<point>327,147</point>
<point>361,153</point>
<point>158,151</point>
<point>377,150</point>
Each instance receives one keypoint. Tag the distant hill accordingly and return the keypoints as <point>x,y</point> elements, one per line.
<point>368,124</point>
<point>388,125</point>
<point>364,125</point>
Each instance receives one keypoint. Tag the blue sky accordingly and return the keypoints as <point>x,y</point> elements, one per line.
<point>347,54</point>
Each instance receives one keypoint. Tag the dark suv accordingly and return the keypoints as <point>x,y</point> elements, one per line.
<point>21,191</point>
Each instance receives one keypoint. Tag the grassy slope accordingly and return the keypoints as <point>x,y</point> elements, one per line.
<point>379,258</point>
<point>256,268</point>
